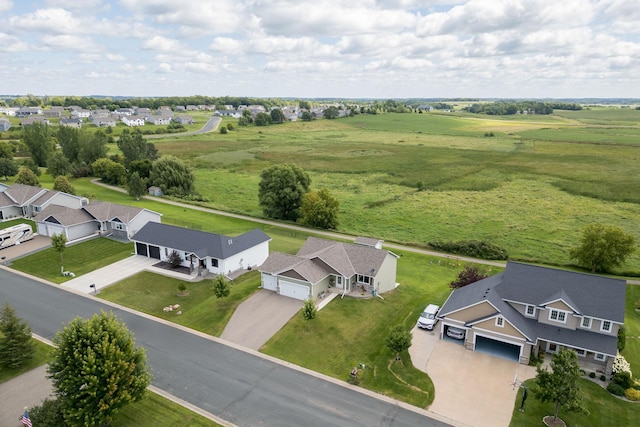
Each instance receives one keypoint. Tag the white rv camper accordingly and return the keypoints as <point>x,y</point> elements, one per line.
<point>15,235</point>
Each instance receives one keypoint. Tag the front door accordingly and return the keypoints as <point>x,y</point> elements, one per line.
<point>552,348</point>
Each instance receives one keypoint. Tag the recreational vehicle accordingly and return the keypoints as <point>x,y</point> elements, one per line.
<point>15,235</point>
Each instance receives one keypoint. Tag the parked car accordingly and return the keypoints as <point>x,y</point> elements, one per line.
<point>428,317</point>
<point>455,333</point>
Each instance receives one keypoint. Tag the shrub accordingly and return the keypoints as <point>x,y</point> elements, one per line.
<point>174,259</point>
<point>622,338</point>
<point>223,130</point>
<point>632,394</point>
<point>603,378</point>
<point>472,248</point>
<point>182,287</point>
<point>623,379</point>
<point>47,414</point>
<point>620,364</point>
<point>616,389</point>
<point>592,374</point>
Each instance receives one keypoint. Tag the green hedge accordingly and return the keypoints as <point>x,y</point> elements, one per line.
<point>471,248</point>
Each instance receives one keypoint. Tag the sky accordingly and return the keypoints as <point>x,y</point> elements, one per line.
<point>322,48</point>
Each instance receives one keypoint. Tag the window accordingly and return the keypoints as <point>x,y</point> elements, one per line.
<point>531,310</point>
<point>500,321</point>
<point>586,322</point>
<point>363,279</point>
<point>338,280</point>
<point>580,352</point>
<point>118,226</point>
<point>214,262</point>
<point>558,316</point>
<point>605,326</point>
<point>600,356</point>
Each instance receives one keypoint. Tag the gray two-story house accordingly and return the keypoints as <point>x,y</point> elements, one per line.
<point>529,309</point>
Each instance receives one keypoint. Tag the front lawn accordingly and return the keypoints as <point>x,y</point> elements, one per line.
<point>352,331</point>
<point>80,258</point>
<point>40,356</point>
<point>201,310</point>
<point>605,409</point>
<point>631,350</point>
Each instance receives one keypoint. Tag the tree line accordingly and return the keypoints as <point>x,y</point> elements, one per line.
<point>502,108</point>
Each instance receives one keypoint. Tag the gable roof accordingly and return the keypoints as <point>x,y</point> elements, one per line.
<point>63,215</point>
<point>21,194</point>
<point>200,243</point>
<point>105,211</point>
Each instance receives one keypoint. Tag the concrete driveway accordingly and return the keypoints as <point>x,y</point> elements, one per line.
<point>30,246</point>
<point>471,387</point>
<point>258,318</point>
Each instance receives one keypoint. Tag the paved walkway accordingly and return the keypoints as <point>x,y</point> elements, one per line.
<point>473,388</point>
<point>28,389</point>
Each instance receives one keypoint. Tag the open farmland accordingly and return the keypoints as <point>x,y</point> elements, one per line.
<point>417,178</point>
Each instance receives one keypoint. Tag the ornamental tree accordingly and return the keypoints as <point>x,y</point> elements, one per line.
<point>603,247</point>
<point>96,369</point>
<point>469,274</point>
<point>221,287</point>
<point>399,340</point>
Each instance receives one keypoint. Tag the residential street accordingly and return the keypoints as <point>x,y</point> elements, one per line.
<point>242,387</point>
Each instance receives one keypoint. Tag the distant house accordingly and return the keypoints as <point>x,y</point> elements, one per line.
<point>5,125</point>
<point>124,111</point>
<point>184,120</point>
<point>96,218</point>
<point>72,123</point>
<point>28,111</point>
<point>52,114</point>
<point>363,267</point>
<point>21,200</point>
<point>531,310</point>
<point>103,121</point>
<point>31,120</point>
<point>157,119</point>
<point>201,251</point>
<point>81,113</point>
<point>132,121</point>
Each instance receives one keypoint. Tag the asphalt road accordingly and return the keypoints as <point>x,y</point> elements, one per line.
<point>240,387</point>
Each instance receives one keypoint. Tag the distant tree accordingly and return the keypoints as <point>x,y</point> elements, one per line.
<point>399,340</point>
<point>133,146</point>
<point>152,151</point>
<point>560,385</point>
<point>109,171</point>
<point>304,105</point>
<point>306,116</point>
<point>58,164</point>
<point>172,175</point>
<point>603,247</point>
<point>277,116</point>
<point>31,165</point>
<point>6,150</point>
<point>320,209</point>
<point>281,190</point>
<point>262,119</point>
<point>470,273</point>
<point>59,243</point>
<point>330,113</point>
<point>309,310</point>
<point>7,167</point>
<point>27,177</point>
<point>93,148</point>
<point>221,288</point>
<point>69,140</point>
<point>96,369</point>
<point>143,167</point>
<point>230,126</point>
<point>62,183</point>
<point>223,130</point>
<point>137,186</point>
<point>37,138</point>
<point>16,347</point>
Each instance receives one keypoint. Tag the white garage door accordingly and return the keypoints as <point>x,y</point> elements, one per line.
<point>269,282</point>
<point>293,290</point>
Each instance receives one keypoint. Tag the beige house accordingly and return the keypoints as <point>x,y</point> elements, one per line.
<point>320,264</point>
<point>535,310</point>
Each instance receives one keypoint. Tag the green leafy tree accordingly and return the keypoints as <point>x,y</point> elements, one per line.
<point>96,369</point>
<point>560,386</point>
<point>223,130</point>
<point>109,171</point>
<point>309,310</point>
<point>470,273</point>
<point>7,167</point>
<point>69,140</point>
<point>93,148</point>
<point>399,340</point>
<point>277,116</point>
<point>59,243</point>
<point>29,163</point>
<point>221,288</point>
<point>320,209</point>
<point>137,186</point>
<point>27,177</point>
<point>16,347</point>
<point>58,164</point>
<point>62,184</point>
<point>262,119</point>
<point>47,414</point>
<point>281,190</point>
<point>603,247</point>
<point>143,167</point>
<point>172,175</point>
<point>37,138</point>
<point>306,116</point>
<point>330,113</point>
<point>133,146</point>
<point>6,150</point>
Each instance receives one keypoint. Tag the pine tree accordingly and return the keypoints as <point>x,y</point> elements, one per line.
<point>16,347</point>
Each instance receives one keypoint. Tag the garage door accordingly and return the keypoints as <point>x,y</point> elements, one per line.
<point>269,282</point>
<point>141,249</point>
<point>154,252</point>
<point>293,290</point>
<point>497,348</point>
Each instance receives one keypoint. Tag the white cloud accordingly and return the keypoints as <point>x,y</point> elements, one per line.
<point>5,5</point>
<point>50,21</point>
<point>12,44</point>
<point>65,41</point>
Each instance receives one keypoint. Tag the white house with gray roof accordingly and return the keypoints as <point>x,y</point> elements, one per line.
<point>21,200</point>
<point>202,251</point>
<point>530,309</point>
<point>320,264</point>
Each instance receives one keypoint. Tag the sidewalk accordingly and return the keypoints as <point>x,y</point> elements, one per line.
<point>28,389</point>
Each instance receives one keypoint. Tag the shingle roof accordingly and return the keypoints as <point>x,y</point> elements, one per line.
<point>200,243</point>
<point>22,194</point>
<point>105,211</point>
<point>63,215</point>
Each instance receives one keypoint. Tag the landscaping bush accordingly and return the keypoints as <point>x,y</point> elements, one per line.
<point>623,379</point>
<point>472,248</point>
<point>592,374</point>
<point>174,259</point>
<point>632,394</point>
<point>603,378</point>
<point>616,389</point>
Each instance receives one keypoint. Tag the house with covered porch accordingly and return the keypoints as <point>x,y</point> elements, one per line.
<point>325,265</point>
<point>533,310</point>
